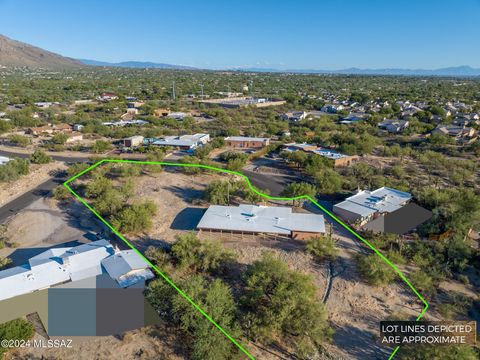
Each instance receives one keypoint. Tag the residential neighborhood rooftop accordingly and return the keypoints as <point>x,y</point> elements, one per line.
<point>383,200</point>
<point>261,219</point>
<point>60,265</point>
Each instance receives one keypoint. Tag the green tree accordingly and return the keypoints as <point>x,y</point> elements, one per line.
<point>59,139</point>
<point>135,218</point>
<point>101,146</point>
<point>215,299</point>
<point>295,189</point>
<point>40,157</point>
<point>218,192</point>
<point>322,247</point>
<point>205,255</point>
<point>13,169</point>
<point>375,270</point>
<point>282,303</point>
<point>18,329</point>
<point>19,140</point>
<point>61,193</point>
<point>432,352</point>
<point>328,181</point>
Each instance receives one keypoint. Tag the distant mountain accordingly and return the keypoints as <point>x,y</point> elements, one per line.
<point>19,54</point>
<point>449,71</point>
<point>136,64</point>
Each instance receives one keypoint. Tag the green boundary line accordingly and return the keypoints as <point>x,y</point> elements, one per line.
<point>66,184</point>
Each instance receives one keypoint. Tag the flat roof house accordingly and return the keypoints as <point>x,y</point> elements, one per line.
<point>247,142</point>
<point>367,205</point>
<point>254,219</point>
<point>57,266</point>
<point>338,159</point>
<point>184,142</point>
<point>393,125</point>
<point>133,141</point>
<point>294,116</point>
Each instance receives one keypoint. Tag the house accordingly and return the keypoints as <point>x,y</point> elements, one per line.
<point>253,219</point>
<point>122,123</point>
<point>130,114</point>
<point>4,160</point>
<point>367,205</point>
<point>63,128</point>
<point>400,221</point>
<point>135,104</point>
<point>294,116</point>
<point>291,147</point>
<point>460,133</point>
<point>353,118</point>
<point>393,125</point>
<point>183,142</point>
<point>410,111</point>
<point>50,129</point>
<point>247,142</point>
<point>86,284</point>
<point>339,160</point>
<point>177,115</point>
<point>332,109</point>
<point>45,104</point>
<point>161,112</point>
<point>107,97</point>
<point>36,131</point>
<point>237,102</point>
<point>133,141</point>
<point>61,265</point>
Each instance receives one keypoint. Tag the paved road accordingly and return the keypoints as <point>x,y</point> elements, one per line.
<point>274,183</point>
<point>18,204</point>
<point>12,154</point>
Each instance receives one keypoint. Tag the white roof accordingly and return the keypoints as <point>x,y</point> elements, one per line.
<point>123,262</point>
<point>125,122</point>
<point>383,200</point>
<point>127,268</point>
<point>4,160</point>
<point>59,265</point>
<point>330,154</point>
<point>182,140</point>
<point>265,219</point>
<point>245,138</point>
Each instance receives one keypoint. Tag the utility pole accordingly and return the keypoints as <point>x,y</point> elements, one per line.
<point>173,90</point>
<point>201,85</point>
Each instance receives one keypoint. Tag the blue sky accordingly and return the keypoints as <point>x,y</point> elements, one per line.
<point>283,34</point>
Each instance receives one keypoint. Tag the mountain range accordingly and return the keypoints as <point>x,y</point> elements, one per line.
<point>18,54</point>
<point>463,70</point>
<point>136,64</point>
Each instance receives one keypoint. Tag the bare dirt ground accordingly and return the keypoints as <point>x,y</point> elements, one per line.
<point>44,224</point>
<point>178,197</point>
<point>159,342</point>
<point>37,175</point>
<point>355,308</point>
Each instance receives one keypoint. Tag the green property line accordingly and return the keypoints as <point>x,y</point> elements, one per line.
<point>252,188</point>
